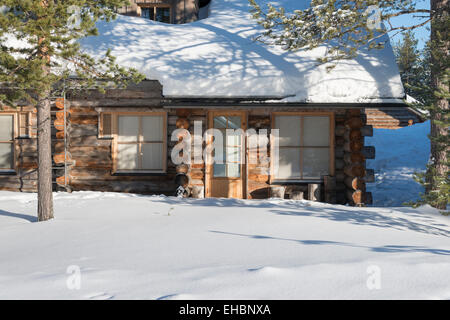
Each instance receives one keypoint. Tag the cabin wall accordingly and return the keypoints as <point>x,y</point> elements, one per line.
<point>24,176</point>
<point>90,164</point>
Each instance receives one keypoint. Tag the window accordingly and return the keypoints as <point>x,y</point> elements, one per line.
<point>6,141</point>
<point>157,13</point>
<point>140,142</point>
<point>305,146</point>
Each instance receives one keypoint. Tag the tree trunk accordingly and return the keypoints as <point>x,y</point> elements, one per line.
<point>45,196</point>
<point>440,46</point>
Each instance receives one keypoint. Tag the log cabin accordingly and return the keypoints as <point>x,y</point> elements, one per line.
<point>207,70</point>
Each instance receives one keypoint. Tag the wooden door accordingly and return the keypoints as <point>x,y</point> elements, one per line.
<point>227,180</point>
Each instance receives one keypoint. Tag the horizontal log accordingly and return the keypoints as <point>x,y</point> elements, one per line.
<point>59,103</point>
<point>355,183</point>
<point>197,174</point>
<point>355,197</point>
<point>354,123</point>
<point>81,130</point>
<point>59,115</point>
<point>89,141</point>
<point>354,134</point>
<point>368,152</point>
<point>258,177</point>
<point>353,146</point>
<point>60,158</point>
<point>354,157</point>
<point>84,119</point>
<point>92,164</point>
<point>182,123</point>
<point>367,131</point>
<point>59,124</point>
<point>89,151</point>
<point>60,135</point>
<point>145,187</point>
<point>80,110</point>
<point>355,170</point>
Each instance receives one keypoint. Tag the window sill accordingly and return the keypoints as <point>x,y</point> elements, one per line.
<point>8,172</point>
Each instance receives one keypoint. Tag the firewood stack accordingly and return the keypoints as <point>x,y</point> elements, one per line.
<point>354,157</point>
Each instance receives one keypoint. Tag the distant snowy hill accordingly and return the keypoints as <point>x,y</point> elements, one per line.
<point>399,153</point>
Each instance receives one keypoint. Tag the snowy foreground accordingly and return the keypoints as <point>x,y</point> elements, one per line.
<point>155,247</point>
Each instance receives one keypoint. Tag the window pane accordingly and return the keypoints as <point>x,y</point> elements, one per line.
<point>234,122</point>
<point>6,156</point>
<point>145,13</point>
<point>127,157</point>
<point>163,15</point>
<point>315,162</point>
<point>128,129</point>
<point>233,154</point>
<point>289,164</point>
<point>152,156</point>
<point>289,127</point>
<point>220,122</point>
<point>316,131</point>
<point>152,128</point>
<point>6,127</point>
<point>234,139</point>
<point>219,170</point>
<point>234,170</point>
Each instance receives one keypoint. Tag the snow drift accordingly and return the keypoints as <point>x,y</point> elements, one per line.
<point>155,247</point>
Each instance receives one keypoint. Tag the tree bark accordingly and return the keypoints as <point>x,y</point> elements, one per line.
<point>44,140</point>
<point>440,46</point>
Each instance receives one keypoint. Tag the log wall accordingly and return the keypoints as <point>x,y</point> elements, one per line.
<point>90,163</point>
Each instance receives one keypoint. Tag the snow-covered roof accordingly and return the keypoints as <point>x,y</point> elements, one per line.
<point>217,57</point>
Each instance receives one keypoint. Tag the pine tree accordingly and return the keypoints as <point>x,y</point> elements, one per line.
<point>39,51</point>
<point>345,26</point>
<point>409,62</point>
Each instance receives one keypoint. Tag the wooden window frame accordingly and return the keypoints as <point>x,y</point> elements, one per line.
<point>26,126</point>
<point>115,133</point>
<point>155,6</point>
<point>101,121</point>
<point>331,147</point>
<point>13,142</point>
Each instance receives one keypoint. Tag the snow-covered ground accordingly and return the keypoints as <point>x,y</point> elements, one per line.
<point>155,247</point>
<point>399,153</point>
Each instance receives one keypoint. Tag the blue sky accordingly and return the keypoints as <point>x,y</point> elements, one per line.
<point>423,33</point>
